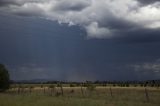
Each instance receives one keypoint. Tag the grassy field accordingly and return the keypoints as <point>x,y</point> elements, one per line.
<point>75,96</point>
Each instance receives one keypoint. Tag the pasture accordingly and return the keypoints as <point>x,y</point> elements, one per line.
<point>81,96</point>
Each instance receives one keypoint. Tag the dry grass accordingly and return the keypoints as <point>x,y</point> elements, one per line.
<point>101,96</point>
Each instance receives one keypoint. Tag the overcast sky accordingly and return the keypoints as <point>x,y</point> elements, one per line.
<point>78,40</point>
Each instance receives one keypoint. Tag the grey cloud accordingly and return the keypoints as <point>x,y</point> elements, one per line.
<point>148,68</point>
<point>139,35</point>
<point>33,10</point>
<point>71,5</point>
<point>8,2</point>
<point>101,19</point>
<point>112,22</point>
<point>146,2</point>
<point>19,2</point>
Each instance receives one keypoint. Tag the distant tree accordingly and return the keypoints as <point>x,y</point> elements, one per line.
<point>71,85</point>
<point>4,78</point>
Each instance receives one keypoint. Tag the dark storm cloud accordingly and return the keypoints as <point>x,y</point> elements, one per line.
<point>41,46</point>
<point>143,35</point>
<point>18,2</point>
<point>8,2</point>
<point>100,19</point>
<point>41,50</point>
<point>146,2</point>
<point>116,24</point>
<point>14,2</point>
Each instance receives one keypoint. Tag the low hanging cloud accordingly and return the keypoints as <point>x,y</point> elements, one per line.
<point>152,67</point>
<point>148,68</point>
<point>100,18</point>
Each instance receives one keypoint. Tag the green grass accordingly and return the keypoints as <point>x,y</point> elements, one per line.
<point>98,97</point>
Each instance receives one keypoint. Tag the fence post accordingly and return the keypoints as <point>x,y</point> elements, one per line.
<point>18,90</point>
<point>111,91</point>
<point>82,90</point>
<point>44,90</point>
<point>61,86</point>
<point>146,94</point>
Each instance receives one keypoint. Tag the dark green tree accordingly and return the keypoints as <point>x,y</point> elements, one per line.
<point>4,78</point>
